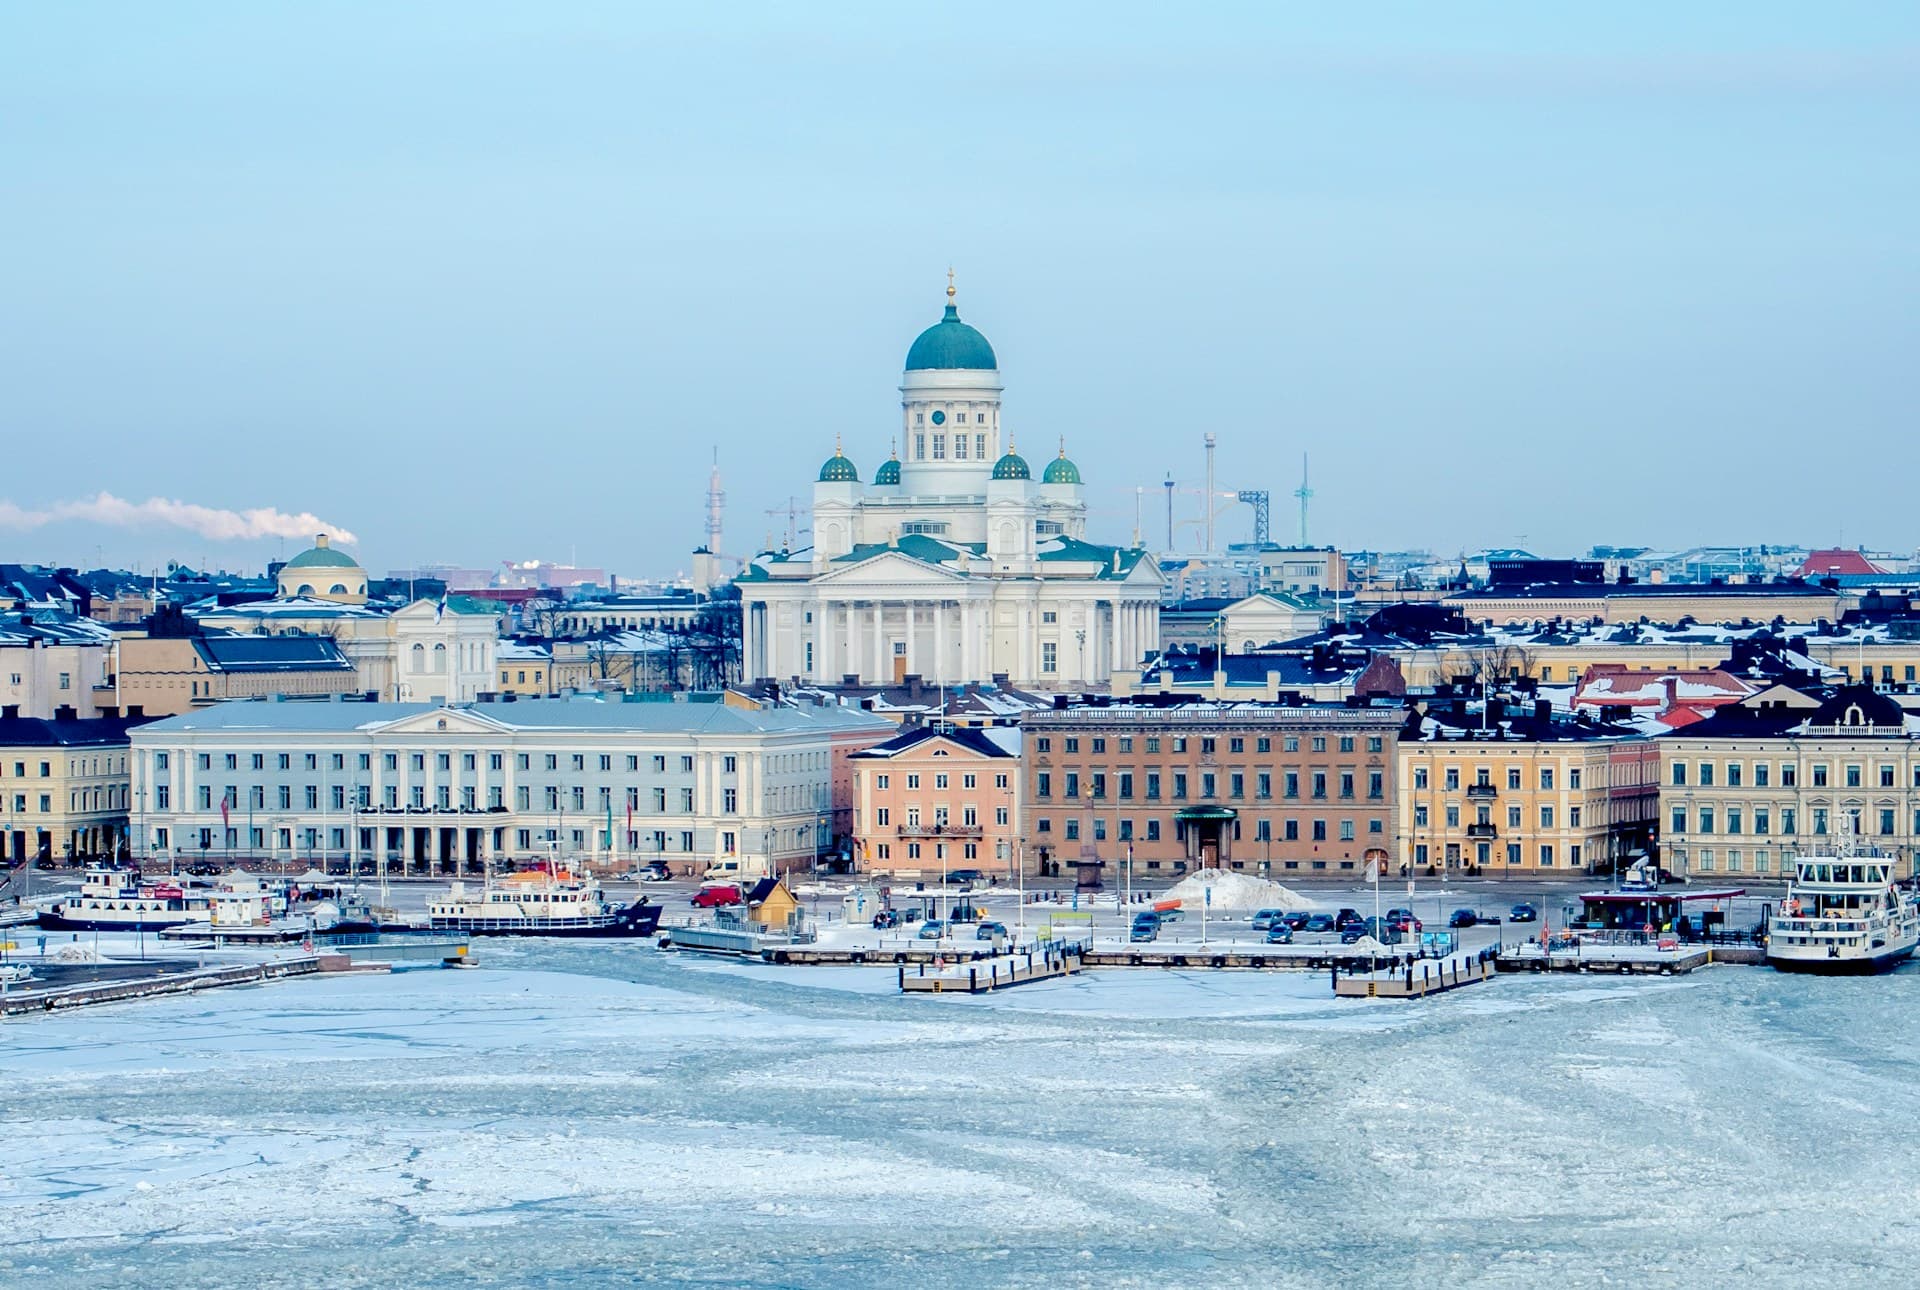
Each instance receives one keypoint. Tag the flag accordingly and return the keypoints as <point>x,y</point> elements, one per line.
<point>609,823</point>
<point>223,811</point>
<point>1373,871</point>
<point>440,610</point>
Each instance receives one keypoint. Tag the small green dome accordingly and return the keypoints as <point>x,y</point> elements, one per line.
<point>1061,471</point>
<point>839,470</point>
<point>1011,466</point>
<point>320,555</point>
<point>889,472</point>
<point>950,344</point>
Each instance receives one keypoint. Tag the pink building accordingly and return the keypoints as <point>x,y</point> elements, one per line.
<point>938,798</point>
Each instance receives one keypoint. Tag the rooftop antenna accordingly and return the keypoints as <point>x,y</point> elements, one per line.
<point>716,505</point>
<point>1139,509</point>
<point>1169,512</point>
<point>1305,494</point>
<point>1209,516</point>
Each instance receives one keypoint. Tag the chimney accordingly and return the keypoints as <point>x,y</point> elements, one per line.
<point>1543,710</point>
<point>11,712</point>
<point>1673,692</point>
<point>65,712</point>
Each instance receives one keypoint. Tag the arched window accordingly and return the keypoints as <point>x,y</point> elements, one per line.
<point>439,658</point>
<point>337,589</point>
<point>419,658</point>
<point>1854,716</point>
<point>305,589</point>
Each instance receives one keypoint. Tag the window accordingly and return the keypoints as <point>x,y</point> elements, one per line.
<point>1420,778</point>
<point>1319,830</point>
<point>1733,774</point>
<point>1546,856</point>
<point>1819,775</point>
<point>1853,776</point>
<point>1453,779</point>
<point>1420,816</point>
<point>1679,821</point>
<point>1789,774</point>
<point>1760,770</point>
<point>1736,820</point>
<point>1706,819</point>
<point>1886,776</point>
<point>1049,657</point>
<point>1762,820</point>
<point>1789,820</point>
<point>1573,779</point>
<point>1546,778</point>
<point>1319,783</point>
<point>1886,821</point>
<point>1346,830</point>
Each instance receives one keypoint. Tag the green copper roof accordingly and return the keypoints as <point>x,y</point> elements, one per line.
<point>889,472</point>
<point>1061,471</point>
<point>950,344</point>
<point>1011,466</point>
<point>322,556</point>
<point>839,470</point>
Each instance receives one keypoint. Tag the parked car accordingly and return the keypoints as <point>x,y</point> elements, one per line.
<point>655,871</point>
<point>886,919</point>
<point>1167,915</point>
<point>1404,920</point>
<point>1279,934</point>
<point>1348,935</point>
<point>1145,927</point>
<point>1347,918</point>
<point>716,895</point>
<point>932,930</point>
<point>966,878</point>
<point>1266,918</point>
<point>1383,930</point>
<point>1297,919</point>
<point>987,931</point>
<point>1320,923</point>
<point>1462,918</point>
<point>206,870</point>
<point>1523,913</point>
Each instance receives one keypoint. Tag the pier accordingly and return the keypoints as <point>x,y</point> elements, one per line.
<point>1415,980</point>
<point>997,972</point>
<point>32,998</point>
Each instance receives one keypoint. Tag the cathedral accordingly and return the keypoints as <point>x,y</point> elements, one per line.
<point>956,563</point>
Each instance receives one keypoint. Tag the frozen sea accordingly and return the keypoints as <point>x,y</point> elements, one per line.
<point>604,1116</point>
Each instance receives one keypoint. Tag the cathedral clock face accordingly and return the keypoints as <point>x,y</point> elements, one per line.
<point>939,417</point>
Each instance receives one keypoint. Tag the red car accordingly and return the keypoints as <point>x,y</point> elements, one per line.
<point>715,896</point>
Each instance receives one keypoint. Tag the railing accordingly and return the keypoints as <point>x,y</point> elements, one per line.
<point>1482,791</point>
<point>1482,831</point>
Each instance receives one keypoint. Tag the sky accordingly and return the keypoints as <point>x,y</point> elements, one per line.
<point>478,282</point>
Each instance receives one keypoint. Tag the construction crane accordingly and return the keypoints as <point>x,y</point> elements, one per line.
<point>795,528</point>
<point>1256,498</point>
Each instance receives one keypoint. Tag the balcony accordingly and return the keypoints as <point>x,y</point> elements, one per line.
<point>940,830</point>
<point>1484,792</point>
<point>1482,831</point>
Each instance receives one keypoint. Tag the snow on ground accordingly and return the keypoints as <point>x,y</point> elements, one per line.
<point>1234,890</point>
<point>597,1115</point>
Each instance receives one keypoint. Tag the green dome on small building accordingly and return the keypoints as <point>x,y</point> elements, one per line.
<point>839,469</point>
<point>321,555</point>
<point>889,473</point>
<point>1011,466</point>
<point>1061,471</point>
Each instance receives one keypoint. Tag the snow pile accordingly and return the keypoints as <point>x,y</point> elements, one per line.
<point>1232,890</point>
<point>76,952</point>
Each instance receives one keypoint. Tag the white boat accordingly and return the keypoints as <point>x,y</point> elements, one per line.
<point>1844,914</point>
<point>119,900</point>
<point>540,903</point>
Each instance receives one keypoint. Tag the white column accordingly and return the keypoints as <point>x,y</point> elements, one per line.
<point>913,655</point>
<point>882,665</point>
<point>1026,651</point>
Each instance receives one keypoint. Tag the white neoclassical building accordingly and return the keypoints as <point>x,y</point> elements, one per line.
<point>955,564</point>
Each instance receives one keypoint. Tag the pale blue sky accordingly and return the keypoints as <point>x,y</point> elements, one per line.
<point>491,281</point>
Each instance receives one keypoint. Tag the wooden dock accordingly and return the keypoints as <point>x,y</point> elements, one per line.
<point>1416,980</point>
<point>997,973</point>
<point>1624,960</point>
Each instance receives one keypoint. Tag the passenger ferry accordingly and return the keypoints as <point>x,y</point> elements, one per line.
<point>119,900</point>
<point>540,903</point>
<point>1844,914</point>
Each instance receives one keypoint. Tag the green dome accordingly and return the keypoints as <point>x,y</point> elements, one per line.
<point>321,556</point>
<point>889,472</point>
<point>839,470</point>
<point>1061,471</point>
<point>950,344</point>
<point>1011,466</point>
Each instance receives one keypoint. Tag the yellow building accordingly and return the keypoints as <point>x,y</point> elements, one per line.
<point>1660,602</point>
<point>64,787</point>
<point>1776,774</point>
<point>163,676</point>
<point>1522,792</point>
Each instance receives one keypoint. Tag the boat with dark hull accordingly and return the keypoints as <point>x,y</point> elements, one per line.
<point>1844,915</point>
<point>541,903</point>
<point>118,900</point>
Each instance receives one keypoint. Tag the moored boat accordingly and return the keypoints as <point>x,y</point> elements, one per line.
<point>541,903</point>
<point>119,900</point>
<point>1844,914</point>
